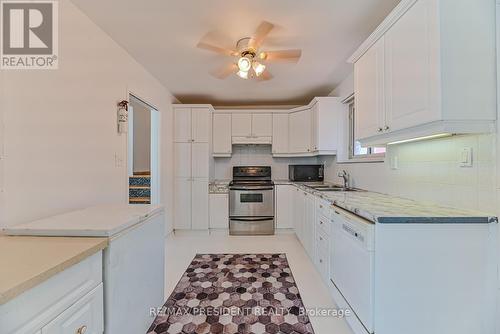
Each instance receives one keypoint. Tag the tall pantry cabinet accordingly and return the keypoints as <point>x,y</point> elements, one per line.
<point>191,166</point>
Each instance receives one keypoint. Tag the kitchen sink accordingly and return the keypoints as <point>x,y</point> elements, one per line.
<point>330,188</point>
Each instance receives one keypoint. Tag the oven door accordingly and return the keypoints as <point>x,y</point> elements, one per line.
<point>251,201</point>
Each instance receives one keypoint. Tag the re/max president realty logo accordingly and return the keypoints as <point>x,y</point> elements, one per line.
<point>29,34</point>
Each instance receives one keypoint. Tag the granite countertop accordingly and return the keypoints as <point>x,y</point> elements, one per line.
<point>381,208</point>
<point>30,261</point>
<point>218,187</point>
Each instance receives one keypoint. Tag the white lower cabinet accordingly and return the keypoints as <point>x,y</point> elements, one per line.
<point>71,302</point>
<point>191,204</point>
<point>85,316</point>
<point>219,211</point>
<point>284,203</point>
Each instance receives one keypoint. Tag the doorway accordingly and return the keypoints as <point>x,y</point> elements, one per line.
<point>143,152</point>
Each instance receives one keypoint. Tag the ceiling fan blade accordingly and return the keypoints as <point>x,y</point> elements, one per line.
<point>207,44</point>
<point>262,31</point>
<point>266,75</point>
<point>225,71</point>
<point>282,55</point>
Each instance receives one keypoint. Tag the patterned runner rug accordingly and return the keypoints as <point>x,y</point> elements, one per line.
<point>234,293</point>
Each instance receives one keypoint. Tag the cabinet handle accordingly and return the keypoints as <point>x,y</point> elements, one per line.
<point>321,223</point>
<point>81,330</point>
<point>320,261</point>
<point>386,128</point>
<point>321,206</point>
<point>320,238</point>
<point>379,129</point>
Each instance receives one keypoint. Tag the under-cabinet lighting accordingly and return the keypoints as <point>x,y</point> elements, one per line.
<point>440,135</point>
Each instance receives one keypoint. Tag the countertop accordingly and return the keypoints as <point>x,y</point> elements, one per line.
<point>218,187</point>
<point>386,209</point>
<point>29,261</point>
<point>96,221</point>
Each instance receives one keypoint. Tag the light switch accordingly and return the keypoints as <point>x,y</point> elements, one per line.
<point>394,162</point>
<point>466,157</point>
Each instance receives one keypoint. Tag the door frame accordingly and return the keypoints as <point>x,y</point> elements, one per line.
<point>155,146</point>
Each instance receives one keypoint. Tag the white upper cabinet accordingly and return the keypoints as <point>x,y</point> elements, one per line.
<point>410,61</point>
<point>221,135</point>
<point>310,130</point>
<point>182,125</point>
<point>280,133</point>
<point>200,124</point>
<point>252,128</point>
<point>428,69</point>
<point>300,131</point>
<point>262,125</point>
<point>369,87</point>
<point>241,125</point>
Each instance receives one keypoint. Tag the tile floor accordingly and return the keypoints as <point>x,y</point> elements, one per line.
<point>181,248</point>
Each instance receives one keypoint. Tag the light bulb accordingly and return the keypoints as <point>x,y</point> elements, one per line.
<point>258,68</point>
<point>242,74</point>
<point>244,64</point>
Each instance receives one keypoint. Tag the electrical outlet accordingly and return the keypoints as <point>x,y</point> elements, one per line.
<point>466,157</point>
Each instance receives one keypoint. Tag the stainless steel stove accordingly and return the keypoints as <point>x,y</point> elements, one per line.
<point>251,201</point>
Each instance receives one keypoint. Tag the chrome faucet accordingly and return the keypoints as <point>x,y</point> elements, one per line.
<point>345,176</point>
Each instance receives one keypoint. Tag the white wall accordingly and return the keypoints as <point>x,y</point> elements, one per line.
<point>141,136</point>
<point>260,155</point>
<point>62,151</point>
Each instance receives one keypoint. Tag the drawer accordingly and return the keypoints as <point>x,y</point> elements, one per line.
<point>83,317</point>
<point>323,207</point>
<point>323,224</point>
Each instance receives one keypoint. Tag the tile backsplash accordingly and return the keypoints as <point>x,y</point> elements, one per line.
<point>259,155</point>
<point>431,171</point>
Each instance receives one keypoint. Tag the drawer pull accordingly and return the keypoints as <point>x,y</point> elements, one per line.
<point>320,222</point>
<point>320,238</point>
<point>320,261</point>
<point>81,330</point>
<point>321,206</point>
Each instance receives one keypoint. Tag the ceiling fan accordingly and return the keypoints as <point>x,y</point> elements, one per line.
<point>250,62</point>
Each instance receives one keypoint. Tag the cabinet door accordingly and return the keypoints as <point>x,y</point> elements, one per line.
<point>182,160</point>
<point>280,133</point>
<point>219,211</point>
<point>199,205</point>
<point>182,125</point>
<point>309,224</point>
<point>84,316</point>
<point>300,131</point>
<point>241,125</point>
<point>199,158</point>
<point>315,127</point>
<point>410,69</point>
<point>369,117</point>
<point>284,206</point>
<point>262,125</point>
<point>221,133</point>
<point>200,124</point>
<point>182,203</point>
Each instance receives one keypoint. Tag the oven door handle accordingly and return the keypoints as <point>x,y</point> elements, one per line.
<point>251,219</point>
<point>250,188</point>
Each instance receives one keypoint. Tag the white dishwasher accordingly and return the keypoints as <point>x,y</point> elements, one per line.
<point>353,264</point>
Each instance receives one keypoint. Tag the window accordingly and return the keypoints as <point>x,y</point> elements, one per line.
<point>356,151</point>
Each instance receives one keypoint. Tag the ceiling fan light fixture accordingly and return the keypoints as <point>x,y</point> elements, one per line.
<point>244,64</point>
<point>242,74</point>
<point>262,55</point>
<point>258,68</point>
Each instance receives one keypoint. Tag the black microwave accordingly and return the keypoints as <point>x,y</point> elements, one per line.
<point>304,173</point>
